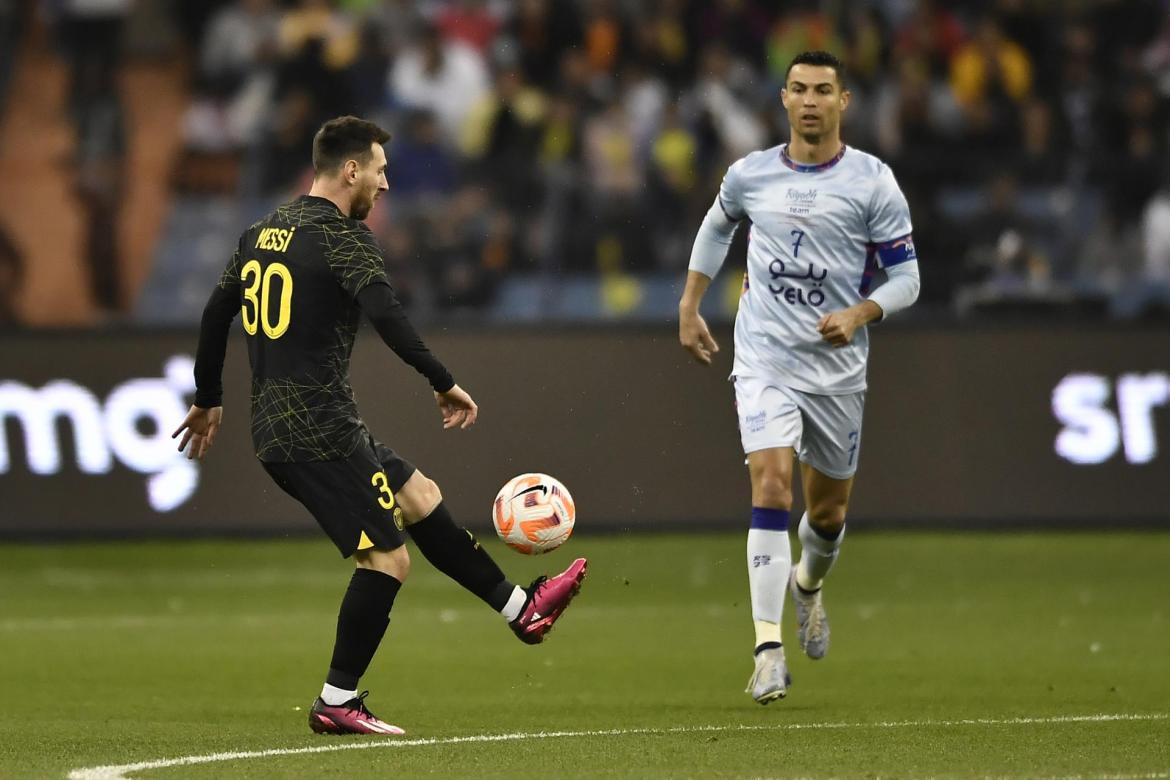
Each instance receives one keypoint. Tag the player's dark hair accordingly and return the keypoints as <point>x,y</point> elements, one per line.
<point>345,138</point>
<point>822,58</point>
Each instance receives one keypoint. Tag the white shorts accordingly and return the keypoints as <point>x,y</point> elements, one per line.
<point>825,430</point>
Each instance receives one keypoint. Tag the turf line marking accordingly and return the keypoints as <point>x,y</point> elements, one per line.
<point>120,772</point>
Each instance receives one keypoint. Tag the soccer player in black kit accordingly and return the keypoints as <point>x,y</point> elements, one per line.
<point>301,278</point>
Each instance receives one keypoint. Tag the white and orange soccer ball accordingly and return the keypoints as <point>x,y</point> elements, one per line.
<point>534,513</point>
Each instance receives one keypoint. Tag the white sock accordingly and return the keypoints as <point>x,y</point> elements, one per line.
<point>817,555</point>
<point>767,632</point>
<point>769,559</point>
<point>511,610</point>
<point>335,697</point>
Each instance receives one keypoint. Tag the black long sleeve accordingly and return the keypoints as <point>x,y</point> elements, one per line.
<point>218,314</point>
<point>389,319</point>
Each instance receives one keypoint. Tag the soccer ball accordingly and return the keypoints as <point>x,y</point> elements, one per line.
<point>534,513</point>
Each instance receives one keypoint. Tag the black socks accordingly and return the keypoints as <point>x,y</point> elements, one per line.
<point>361,623</point>
<point>454,551</point>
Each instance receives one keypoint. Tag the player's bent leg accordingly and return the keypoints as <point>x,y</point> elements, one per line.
<point>449,548</point>
<point>531,612</point>
<point>821,531</point>
<point>827,498</point>
<point>418,497</point>
<point>395,563</point>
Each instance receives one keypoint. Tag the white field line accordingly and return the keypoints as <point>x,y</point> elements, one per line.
<point>120,772</point>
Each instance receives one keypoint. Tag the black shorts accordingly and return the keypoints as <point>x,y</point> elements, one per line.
<point>353,499</point>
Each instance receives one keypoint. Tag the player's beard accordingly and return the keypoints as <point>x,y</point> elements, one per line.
<point>360,208</point>
<point>823,130</point>
<point>815,138</point>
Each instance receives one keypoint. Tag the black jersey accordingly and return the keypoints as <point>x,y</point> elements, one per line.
<point>300,279</point>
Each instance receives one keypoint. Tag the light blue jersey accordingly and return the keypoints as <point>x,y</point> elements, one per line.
<point>818,233</point>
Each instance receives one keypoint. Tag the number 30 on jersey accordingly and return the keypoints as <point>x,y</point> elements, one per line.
<point>255,309</point>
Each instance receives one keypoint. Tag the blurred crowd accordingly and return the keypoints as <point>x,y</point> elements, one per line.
<point>561,137</point>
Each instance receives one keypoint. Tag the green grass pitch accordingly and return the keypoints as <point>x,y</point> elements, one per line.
<point>954,655</point>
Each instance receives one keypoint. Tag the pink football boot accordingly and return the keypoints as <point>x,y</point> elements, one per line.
<point>349,718</point>
<point>547,599</point>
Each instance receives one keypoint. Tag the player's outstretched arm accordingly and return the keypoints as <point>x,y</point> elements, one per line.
<point>693,333</point>
<point>199,428</point>
<point>457,408</point>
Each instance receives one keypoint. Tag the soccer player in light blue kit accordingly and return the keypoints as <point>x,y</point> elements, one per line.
<point>824,217</point>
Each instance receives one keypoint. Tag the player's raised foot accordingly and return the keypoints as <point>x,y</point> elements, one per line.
<point>770,679</point>
<point>547,599</point>
<point>349,718</point>
<point>812,624</point>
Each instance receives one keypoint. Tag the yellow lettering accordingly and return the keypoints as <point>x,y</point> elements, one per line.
<point>275,239</point>
<point>250,320</point>
<point>286,290</point>
<point>254,310</point>
<point>379,480</point>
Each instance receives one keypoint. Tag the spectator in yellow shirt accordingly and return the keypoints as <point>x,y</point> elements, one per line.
<point>990,62</point>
